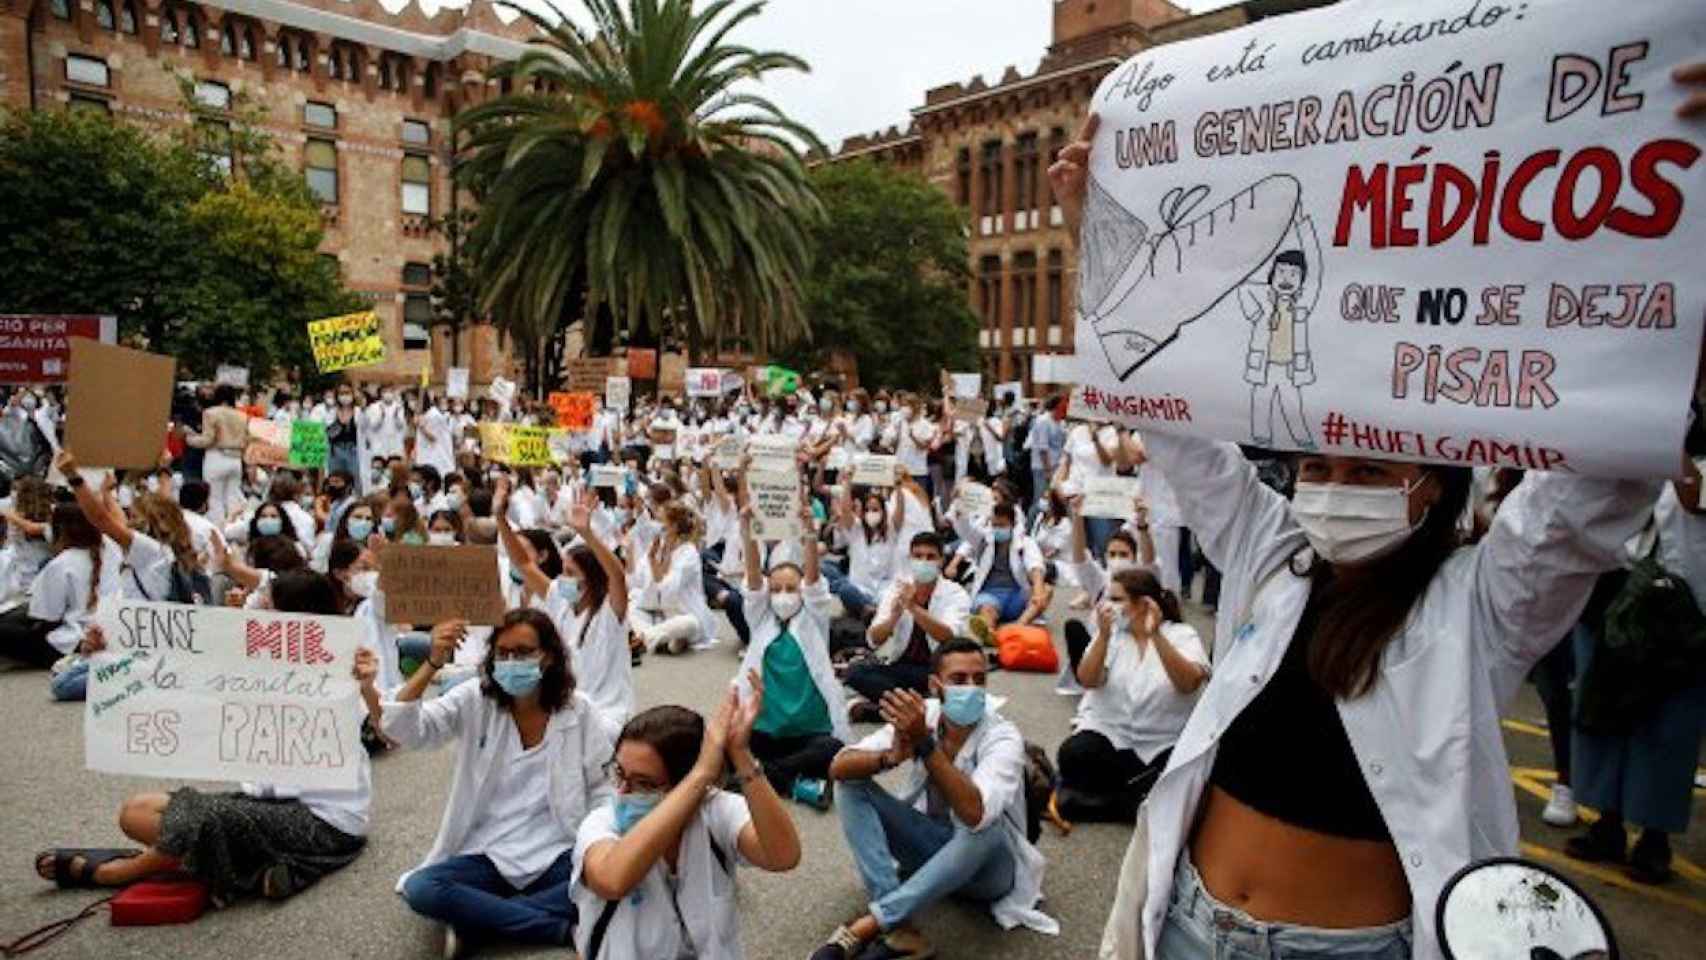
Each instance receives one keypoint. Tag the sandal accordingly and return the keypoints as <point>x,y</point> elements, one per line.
<point>84,879</point>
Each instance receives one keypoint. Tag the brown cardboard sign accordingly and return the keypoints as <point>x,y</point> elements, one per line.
<point>117,406</point>
<point>424,584</point>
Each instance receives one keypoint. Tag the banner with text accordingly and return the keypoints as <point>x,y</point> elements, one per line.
<point>1446,231</point>
<point>219,693</point>
<point>36,348</point>
<point>352,340</point>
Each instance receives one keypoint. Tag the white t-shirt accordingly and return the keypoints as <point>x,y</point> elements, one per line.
<point>147,569</point>
<point>598,655</point>
<point>438,450</point>
<point>517,830</point>
<point>61,592</point>
<point>912,446</point>
<point>202,532</point>
<point>1081,447</point>
<point>1137,707</point>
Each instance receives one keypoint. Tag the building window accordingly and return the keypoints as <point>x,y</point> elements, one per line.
<point>344,63</point>
<point>429,86</point>
<point>302,57</point>
<point>1025,169</point>
<point>89,70</point>
<point>417,185</point>
<point>990,290</point>
<point>1024,292</point>
<point>394,73</point>
<point>168,26</point>
<point>320,115</point>
<point>61,9</point>
<point>1056,289</point>
<point>994,195</point>
<point>104,14</point>
<point>417,322</point>
<point>127,18</point>
<point>246,44</point>
<point>192,31</point>
<point>321,159</point>
<point>416,131</point>
<point>962,170</point>
<point>213,95</point>
<point>83,101</point>
<point>292,51</point>
<point>228,40</point>
<point>417,275</point>
<point>216,144</point>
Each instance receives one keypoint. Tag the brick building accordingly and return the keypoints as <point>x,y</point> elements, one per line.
<point>988,146</point>
<point>360,98</point>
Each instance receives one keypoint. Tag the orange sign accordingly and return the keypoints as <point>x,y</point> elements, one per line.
<point>574,410</point>
<point>642,364</point>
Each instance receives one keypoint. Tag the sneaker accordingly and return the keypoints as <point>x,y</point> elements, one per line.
<point>979,628</point>
<point>812,792</point>
<point>1603,843</point>
<point>455,948</point>
<point>1067,684</point>
<point>276,882</point>
<point>900,943</point>
<point>1649,862</point>
<point>842,945</point>
<point>1561,808</point>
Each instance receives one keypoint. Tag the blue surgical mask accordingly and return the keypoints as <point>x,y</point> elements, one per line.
<point>631,808</point>
<point>963,704</point>
<point>515,574</point>
<point>1001,534</point>
<point>415,490</point>
<point>360,529</point>
<point>518,678</point>
<point>569,588</point>
<point>269,526</point>
<point>923,571</point>
<point>389,525</point>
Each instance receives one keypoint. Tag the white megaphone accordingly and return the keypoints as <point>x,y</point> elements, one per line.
<point>1511,909</point>
<point>1138,289</point>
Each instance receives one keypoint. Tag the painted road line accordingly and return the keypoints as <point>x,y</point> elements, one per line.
<point>1613,877</point>
<point>1532,780</point>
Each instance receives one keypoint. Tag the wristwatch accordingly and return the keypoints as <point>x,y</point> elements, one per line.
<point>925,747</point>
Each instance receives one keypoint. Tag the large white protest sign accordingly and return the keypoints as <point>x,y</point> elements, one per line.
<point>617,391</point>
<point>874,470</point>
<point>773,452</point>
<point>456,383</point>
<point>1441,231</point>
<point>606,476</point>
<point>1113,498</point>
<point>218,693</point>
<point>975,500</point>
<point>775,504</point>
<point>704,382</point>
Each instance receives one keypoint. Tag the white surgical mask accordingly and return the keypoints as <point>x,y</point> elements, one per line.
<point>363,584</point>
<point>786,605</point>
<point>1351,523</point>
<point>441,538</point>
<point>874,518</point>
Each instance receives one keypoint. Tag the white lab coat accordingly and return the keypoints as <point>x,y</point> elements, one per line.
<point>994,452</point>
<point>580,742</point>
<point>949,603</point>
<point>383,427</point>
<point>1427,736</point>
<point>1023,557</point>
<point>993,756</point>
<point>810,628</point>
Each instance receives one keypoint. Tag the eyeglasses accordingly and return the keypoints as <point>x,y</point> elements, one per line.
<point>623,782</point>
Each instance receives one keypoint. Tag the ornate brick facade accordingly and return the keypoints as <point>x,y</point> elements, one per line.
<point>378,89</point>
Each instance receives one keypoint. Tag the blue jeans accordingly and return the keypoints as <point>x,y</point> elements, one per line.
<point>853,599</point>
<point>1200,926</point>
<point>73,684</point>
<point>1009,602</point>
<point>942,857</point>
<point>470,895</point>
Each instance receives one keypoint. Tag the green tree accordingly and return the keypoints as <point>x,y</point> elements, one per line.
<point>890,282</point>
<point>455,279</point>
<point>638,176</point>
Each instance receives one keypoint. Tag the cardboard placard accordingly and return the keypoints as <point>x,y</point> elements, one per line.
<point>605,475</point>
<point>970,411</point>
<point>574,410</point>
<point>588,374</point>
<point>269,443</point>
<point>874,470</point>
<point>976,500</point>
<point>727,453</point>
<point>642,364</point>
<point>456,383</point>
<point>307,444</point>
<point>618,391</point>
<point>433,584</point>
<point>494,441</point>
<point>962,384</point>
<point>774,452</point>
<point>235,376</point>
<point>775,505</point>
<point>704,382</point>
<point>117,405</point>
<point>1110,498</point>
<point>222,693</point>
<point>351,340</point>
<point>502,391</point>
<point>672,374</point>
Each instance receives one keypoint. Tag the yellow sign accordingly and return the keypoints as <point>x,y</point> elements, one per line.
<point>352,340</point>
<point>516,445</point>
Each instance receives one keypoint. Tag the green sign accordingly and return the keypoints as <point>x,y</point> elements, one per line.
<point>780,380</point>
<point>308,444</point>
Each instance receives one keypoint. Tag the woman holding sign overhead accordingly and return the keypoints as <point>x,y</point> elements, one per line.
<point>224,432</point>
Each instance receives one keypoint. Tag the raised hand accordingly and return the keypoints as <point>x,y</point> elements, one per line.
<point>366,668</point>
<point>904,710</point>
<point>446,637</point>
<point>745,715</point>
<point>713,749</point>
<point>1069,175</point>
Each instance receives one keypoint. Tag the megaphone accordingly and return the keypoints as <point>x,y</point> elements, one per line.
<point>1507,908</point>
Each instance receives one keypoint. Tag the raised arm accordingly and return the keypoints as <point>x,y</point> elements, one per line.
<point>520,556</point>
<point>580,521</point>
<point>94,506</point>
<point>770,841</point>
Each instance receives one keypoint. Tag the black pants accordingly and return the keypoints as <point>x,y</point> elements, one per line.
<point>786,759</point>
<point>1077,641</point>
<point>872,680</point>
<point>1552,677</point>
<point>1100,783</point>
<point>24,638</point>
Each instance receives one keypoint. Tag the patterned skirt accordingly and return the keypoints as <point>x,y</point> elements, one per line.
<point>230,840</point>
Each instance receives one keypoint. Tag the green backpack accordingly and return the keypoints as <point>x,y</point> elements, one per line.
<point>1650,644</point>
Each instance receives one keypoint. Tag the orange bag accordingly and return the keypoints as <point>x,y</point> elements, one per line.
<point>1026,648</point>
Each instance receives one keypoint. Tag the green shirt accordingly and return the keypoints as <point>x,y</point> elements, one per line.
<point>792,705</point>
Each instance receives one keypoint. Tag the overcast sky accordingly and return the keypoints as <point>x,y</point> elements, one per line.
<point>872,60</point>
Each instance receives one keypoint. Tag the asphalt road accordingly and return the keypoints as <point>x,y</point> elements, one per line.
<point>49,799</point>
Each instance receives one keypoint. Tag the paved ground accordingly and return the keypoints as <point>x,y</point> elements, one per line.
<point>49,799</point>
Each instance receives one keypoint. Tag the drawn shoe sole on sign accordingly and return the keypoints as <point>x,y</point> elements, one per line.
<point>1183,272</point>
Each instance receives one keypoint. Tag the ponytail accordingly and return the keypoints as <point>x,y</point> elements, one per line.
<point>95,574</point>
<point>1139,582</point>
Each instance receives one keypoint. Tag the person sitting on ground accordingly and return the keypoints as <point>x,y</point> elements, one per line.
<point>872,554</point>
<point>1142,672</point>
<point>264,840</point>
<point>589,604</point>
<point>1128,547</point>
<point>959,826</point>
<point>84,568</point>
<point>655,867</point>
<point>1008,575</point>
<point>804,721</point>
<point>919,612</point>
<point>530,764</point>
<point>672,616</point>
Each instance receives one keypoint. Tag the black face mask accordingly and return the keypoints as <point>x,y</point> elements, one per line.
<point>336,492</point>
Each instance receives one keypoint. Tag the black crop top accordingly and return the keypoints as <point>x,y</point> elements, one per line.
<point>1287,754</point>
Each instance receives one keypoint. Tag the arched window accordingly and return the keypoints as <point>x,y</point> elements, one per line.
<point>302,58</point>
<point>192,30</point>
<point>430,85</point>
<point>127,17</point>
<point>228,40</point>
<point>385,75</point>
<point>104,14</point>
<point>246,43</point>
<point>168,26</point>
<point>61,9</point>
<point>282,54</point>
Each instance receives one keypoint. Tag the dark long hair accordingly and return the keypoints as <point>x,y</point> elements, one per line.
<point>674,732</point>
<point>1139,582</point>
<point>1360,614</point>
<point>597,581</point>
<point>72,530</point>
<point>557,682</point>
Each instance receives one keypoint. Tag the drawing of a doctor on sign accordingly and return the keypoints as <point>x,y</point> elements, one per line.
<point>1278,363</point>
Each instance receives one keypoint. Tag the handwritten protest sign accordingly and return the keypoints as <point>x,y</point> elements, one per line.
<point>307,444</point>
<point>1050,368</point>
<point>604,475</point>
<point>617,392</point>
<point>704,382</point>
<point>494,441</point>
<point>775,504</point>
<point>429,584</point>
<point>727,453</point>
<point>219,693</point>
<point>233,375</point>
<point>873,470</point>
<point>269,443</point>
<point>502,392</point>
<point>562,444</point>
<point>1463,241</point>
<point>672,374</point>
<point>529,446</point>
<point>456,383</point>
<point>962,384</point>
<point>970,411</point>
<point>976,500</point>
<point>352,340</point>
<point>642,364</point>
<point>574,410</point>
<point>773,452</point>
<point>117,404</point>
<point>588,374</point>
<point>1110,497</point>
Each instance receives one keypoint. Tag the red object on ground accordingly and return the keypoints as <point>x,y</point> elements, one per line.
<point>155,902</point>
<point>1028,649</point>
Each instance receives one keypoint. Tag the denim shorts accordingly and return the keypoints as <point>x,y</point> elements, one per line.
<point>1199,927</point>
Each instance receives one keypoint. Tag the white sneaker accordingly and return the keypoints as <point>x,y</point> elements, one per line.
<point>1561,808</point>
<point>1067,684</point>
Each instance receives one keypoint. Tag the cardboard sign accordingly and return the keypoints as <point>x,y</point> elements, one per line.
<point>962,385</point>
<point>1111,498</point>
<point>605,475</point>
<point>220,693</point>
<point>775,505</point>
<point>235,376</point>
<point>352,340</point>
<point>617,393</point>
<point>970,411</point>
<point>774,452</point>
<point>269,443</point>
<point>494,441</point>
<point>704,382</point>
<point>307,444</point>
<point>672,374</point>
<point>1474,241</point>
<point>502,391</point>
<point>117,404</point>
<point>976,500</point>
<point>36,348</point>
<point>588,374</point>
<point>574,410</point>
<point>642,364</point>
<point>873,470</point>
<point>432,584</point>
<point>456,383</point>
<point>562,444</point>
<point>727,453</point>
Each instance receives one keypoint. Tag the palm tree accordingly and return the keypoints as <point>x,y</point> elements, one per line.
<point>624,170</point>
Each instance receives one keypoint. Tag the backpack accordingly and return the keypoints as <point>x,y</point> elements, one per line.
<point>182,586</point>
<point>1026,648</point>
<point>1040,781</point>
<point>1649,644</point>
